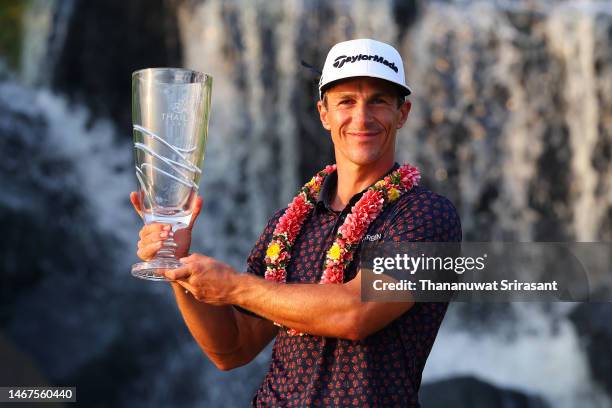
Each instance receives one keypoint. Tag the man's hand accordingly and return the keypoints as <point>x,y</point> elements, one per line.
<point>207,279</point>
<point>228,337</point>
<point>153,235</point>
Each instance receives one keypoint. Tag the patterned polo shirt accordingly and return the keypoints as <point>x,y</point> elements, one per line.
<point>384,369</point>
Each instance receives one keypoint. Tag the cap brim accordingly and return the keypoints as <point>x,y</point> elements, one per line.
<point>404,89</point>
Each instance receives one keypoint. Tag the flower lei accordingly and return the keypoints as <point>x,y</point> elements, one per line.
<point>350,233</point>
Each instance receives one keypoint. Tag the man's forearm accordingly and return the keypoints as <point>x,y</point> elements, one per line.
<point>324,310</point>
<point>228,337</point>
<point>333,310</point>
<point>213,327</point>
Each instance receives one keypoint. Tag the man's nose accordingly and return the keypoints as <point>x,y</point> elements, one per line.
<point>362,113</point>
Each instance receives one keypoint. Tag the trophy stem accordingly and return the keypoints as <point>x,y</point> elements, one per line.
<point>168,249</point>
<point>164,259</point>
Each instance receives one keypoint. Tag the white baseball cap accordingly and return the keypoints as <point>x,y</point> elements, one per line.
<point>363,57</point>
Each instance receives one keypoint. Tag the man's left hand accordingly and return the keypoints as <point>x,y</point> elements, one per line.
<point>207,279</point>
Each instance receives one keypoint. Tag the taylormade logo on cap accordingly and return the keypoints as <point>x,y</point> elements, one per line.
<point>339,62</point>
<point>363,57</point>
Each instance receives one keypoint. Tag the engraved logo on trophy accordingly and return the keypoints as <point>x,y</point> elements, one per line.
<point>178,112</point>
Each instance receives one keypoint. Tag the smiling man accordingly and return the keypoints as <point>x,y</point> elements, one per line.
<point>303,286</point>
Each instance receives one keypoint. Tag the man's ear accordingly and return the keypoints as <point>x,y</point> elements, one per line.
<point>404,110</point>
<point>323,115</point>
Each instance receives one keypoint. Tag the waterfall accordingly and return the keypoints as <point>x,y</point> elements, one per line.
<point>579,37</point>
<point>46,23</point>
<point>510,117</point>
<point>493,126</point>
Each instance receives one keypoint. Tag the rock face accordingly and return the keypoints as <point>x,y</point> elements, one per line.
<point>105,42</point>
<point>470,392</point>
<point>592,323</point>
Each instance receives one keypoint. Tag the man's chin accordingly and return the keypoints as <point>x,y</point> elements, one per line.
<point>365,160</point>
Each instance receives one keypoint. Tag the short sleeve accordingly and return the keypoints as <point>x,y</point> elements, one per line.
<point>256,264</point>
<point>421,217</point>
<point>256,261</point>
<point>426,217</point>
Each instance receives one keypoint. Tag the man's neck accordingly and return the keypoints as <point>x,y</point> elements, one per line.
<point>353,179</point>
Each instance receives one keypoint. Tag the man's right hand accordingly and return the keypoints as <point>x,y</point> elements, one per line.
<point>152,235</point>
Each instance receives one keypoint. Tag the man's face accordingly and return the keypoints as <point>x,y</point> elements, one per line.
<point>363,116</point>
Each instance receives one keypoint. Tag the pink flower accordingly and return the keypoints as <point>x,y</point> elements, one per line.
<point>276,274</point>
<point>363,213</point>
<point>410,176</point>
<point>291,222</point>
<point>332,274</point>
<point>289,225</point>
<point>330,168</point>
<point>299,207</point>
<point>283,256</point>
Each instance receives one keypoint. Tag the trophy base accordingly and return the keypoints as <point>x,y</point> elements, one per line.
<point>154,269</point>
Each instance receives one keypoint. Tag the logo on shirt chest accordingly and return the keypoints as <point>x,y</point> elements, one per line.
<point>370,238</point>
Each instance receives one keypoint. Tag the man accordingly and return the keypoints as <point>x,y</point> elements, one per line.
<point>331,348</point>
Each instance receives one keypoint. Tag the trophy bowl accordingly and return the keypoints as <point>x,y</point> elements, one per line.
<point>170,112</point>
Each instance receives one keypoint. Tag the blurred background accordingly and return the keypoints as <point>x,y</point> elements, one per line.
<point>511,120</point>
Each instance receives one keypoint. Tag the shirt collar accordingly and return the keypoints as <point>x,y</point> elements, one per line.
<point>328,189</point>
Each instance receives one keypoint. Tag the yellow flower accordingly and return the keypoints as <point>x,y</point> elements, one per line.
<point>393,194</point>
<point>334,251</point>
<point>380,183</point>
<point>311,182</point>
<point>273,251</point>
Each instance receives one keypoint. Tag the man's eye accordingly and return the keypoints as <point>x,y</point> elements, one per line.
<point>344,102</point>
<point>379,100</point>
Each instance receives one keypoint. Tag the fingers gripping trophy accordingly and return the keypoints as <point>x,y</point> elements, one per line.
<point>170,111</point>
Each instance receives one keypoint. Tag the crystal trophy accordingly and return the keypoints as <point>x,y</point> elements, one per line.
<point>170,111</point>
